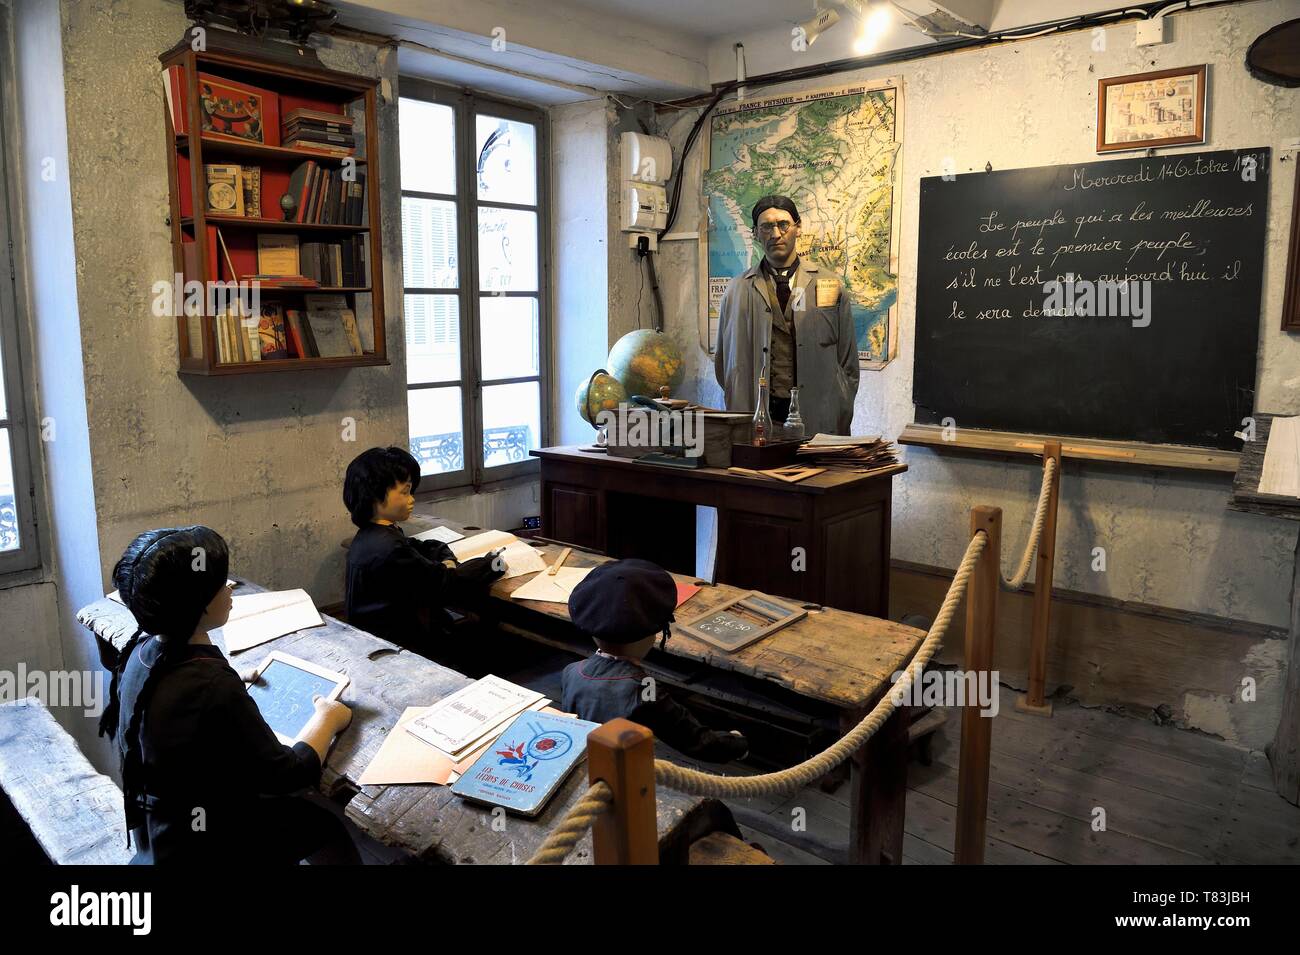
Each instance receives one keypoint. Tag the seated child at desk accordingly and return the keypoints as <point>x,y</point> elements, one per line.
<point>393,579</point>
<point>205,780</point>
<point>624,605</point>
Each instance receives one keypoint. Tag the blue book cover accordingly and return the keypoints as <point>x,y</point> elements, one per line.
<point>527,763</point>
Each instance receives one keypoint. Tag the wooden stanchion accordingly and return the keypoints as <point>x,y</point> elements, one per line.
<point>1034,700</point>
<point>622,754</point>
<point>976,730</point>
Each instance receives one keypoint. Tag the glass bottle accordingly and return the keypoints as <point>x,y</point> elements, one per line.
<point>793,430</point>
<point>762,418</point>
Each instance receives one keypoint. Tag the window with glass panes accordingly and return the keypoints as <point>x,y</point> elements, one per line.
<point>18,550</point>
<point>474,302</point>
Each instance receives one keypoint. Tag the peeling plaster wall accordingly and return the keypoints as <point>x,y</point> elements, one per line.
<point>1170,540</point>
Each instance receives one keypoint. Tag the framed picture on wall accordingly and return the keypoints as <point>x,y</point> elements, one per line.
<point>1142,110</point>
<point>1291,303</point>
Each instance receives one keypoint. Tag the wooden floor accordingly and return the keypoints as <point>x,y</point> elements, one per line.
<point>1169,795</point>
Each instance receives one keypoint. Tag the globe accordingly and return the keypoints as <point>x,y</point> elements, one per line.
<point>601,392</point>
<point>645,361</point>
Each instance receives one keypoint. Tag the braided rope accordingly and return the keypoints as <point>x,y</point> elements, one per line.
<point>696,783</point>
<point>1035,530</point>
<point>597,799</point>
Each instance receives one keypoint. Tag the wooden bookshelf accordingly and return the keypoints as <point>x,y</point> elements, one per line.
<point>288,77</point>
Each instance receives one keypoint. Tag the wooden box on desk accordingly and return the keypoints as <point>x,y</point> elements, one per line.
<point>635,431</point>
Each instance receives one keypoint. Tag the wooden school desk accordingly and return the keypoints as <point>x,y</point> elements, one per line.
<point>620,507</point>
<point>831,659</point>
<point>426,821</point>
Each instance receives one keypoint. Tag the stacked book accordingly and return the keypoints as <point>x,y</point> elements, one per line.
<point>314,129</point>
<point>862,454</point>
<point>325,197</point>
<point>339,264</point>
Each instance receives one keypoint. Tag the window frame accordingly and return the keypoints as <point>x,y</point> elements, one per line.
<point>19,401</point>
<point>465,106</point>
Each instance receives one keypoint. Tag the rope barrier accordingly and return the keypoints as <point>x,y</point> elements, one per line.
<point>597,799</point>
<point>1035,530</point>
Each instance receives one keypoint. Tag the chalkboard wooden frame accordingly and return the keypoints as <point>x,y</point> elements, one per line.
<point>1103,86</point>
<point>776,612</point>
<point>1095,450</point>
<point>1291,303</point>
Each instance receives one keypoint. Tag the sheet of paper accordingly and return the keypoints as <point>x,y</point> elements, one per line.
<point>1281,471</point>
<point>685,592</point>
<point>480,544</point>
<point>461,719</point>
<point>840,440</point>
<point>519,558</point>
<point>444,534</point>
<point>118,597</point>
<point>403,759</point>
<point>258,618</point>
<point>556,590</point>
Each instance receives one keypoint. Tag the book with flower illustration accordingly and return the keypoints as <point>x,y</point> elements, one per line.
<point>527,763</point>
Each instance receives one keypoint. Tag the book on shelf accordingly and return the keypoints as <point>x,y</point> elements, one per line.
<point>293,330</point>
<point>333,326</point>
<point>251,178</point>
<point>238,112</point>
<point>277,253</point>
<point>323,196</point>
<point>339,264</point>
<point>225,191</point>
<point>302,113</point>
<point>272,335</point>
<point>174,91</point>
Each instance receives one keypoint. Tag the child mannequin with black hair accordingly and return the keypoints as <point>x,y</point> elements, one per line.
<point>398,587</point>
<point>205,779</point>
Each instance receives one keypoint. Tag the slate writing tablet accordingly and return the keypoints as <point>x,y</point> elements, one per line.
<point>284,689</point>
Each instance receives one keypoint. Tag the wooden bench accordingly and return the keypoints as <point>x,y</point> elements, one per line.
<point>73,812</point>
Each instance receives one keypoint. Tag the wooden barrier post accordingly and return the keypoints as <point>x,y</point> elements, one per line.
<point>622,754</point>
<point>976,730</point>
<point>1034,701</point>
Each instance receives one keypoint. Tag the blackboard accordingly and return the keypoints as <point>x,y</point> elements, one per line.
<point>1170,360</point>
<point>283,694</point>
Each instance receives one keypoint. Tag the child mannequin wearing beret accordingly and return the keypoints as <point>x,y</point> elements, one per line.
<point>624,605</point>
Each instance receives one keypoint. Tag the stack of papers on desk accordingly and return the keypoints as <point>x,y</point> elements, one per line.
<point>552,589</point>
<point>1281,471</point>
<point>461,723</point>
<point>258,618</point>
<point>518,556</point>
<point>405,760</point>
<point>862,454</point>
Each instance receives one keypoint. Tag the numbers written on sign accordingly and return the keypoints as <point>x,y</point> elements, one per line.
<point>725,624</point>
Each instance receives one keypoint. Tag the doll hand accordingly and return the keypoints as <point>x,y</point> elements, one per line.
<point>249,676</point>
<point>332,714</point>
<point>480,571</point>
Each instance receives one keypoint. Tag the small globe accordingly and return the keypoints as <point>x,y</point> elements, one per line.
<point>646,361</point>
<point>601,392</point>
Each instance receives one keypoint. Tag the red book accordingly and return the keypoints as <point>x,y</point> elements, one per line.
<point>174,89</point>
<point>238,112</point>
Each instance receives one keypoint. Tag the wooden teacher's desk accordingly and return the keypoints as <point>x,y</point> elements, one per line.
<point>831,661</point>
<point>624,508</point>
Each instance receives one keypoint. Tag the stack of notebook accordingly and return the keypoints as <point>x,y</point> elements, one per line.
<point>862,454</point>
<point>314,129</point>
